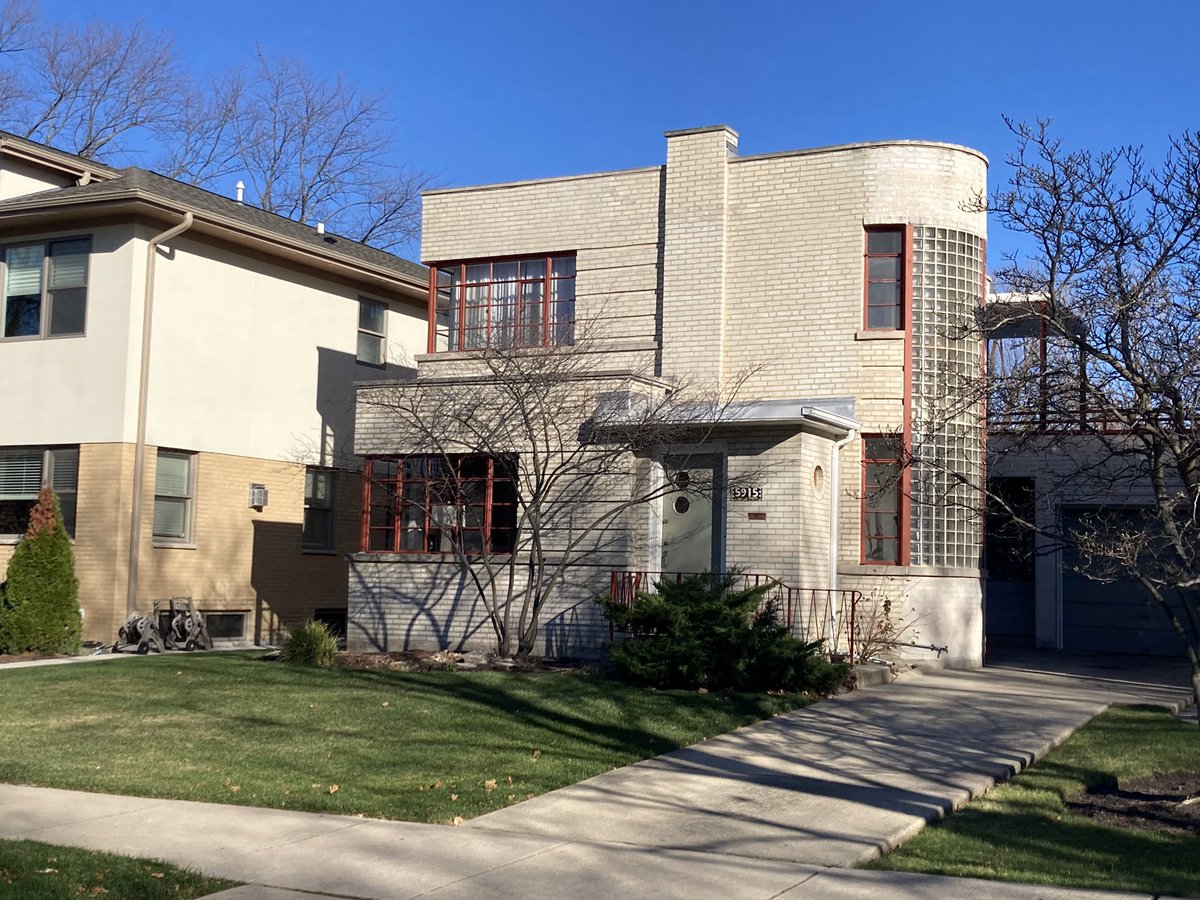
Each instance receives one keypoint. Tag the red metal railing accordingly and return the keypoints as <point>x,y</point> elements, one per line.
<point>808,613</point>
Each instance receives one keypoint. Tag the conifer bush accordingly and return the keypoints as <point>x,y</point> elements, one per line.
<point>704,632</point>
<point>39,604</point>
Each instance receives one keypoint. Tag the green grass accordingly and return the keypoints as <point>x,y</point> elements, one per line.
<point>1022,831</point>
<point>33,871</point>
<point>419,747</point>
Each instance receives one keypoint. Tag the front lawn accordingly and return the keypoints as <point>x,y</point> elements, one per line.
<point>1024,831</point>
<point>33,871</point>
<point>426,747</point>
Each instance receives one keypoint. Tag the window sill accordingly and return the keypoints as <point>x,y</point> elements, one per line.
<point>880,334</point>
<point>174,545</point>
<point>316,551</point>
<point>383,556</point>
<point>882,569</point>
<point>607,347</point>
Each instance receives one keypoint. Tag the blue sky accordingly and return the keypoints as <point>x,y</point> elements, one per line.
<point>501,91</point>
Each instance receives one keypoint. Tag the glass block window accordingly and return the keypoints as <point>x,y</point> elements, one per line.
<point>947,425</point>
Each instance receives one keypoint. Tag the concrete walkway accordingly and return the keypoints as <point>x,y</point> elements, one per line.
<point>763,812</point>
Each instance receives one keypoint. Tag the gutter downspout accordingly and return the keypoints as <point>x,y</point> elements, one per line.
<point>835,479</point>
<point>139,449</point>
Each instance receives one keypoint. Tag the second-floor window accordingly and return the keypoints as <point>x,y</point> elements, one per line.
<point>45,288</point>
<point>884,272</point>
<point>372,332</point>
<point>503,303</point>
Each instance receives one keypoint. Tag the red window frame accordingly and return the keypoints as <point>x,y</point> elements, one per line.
<point>473,306</point>
<point>432,503</point>
<point>882,494</point>
<point>901,279</point>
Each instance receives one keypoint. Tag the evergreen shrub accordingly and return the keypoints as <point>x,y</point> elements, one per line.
<point>705,632</point>
<point>39,604</point>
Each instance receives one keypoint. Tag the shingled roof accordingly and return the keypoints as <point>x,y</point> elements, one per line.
<point>135,183</point>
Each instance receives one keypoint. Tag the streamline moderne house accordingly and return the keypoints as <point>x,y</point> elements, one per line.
<point>828,285</point>
<point>179,366</point>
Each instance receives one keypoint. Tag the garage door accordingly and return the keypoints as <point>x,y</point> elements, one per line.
<point>1111,618</point>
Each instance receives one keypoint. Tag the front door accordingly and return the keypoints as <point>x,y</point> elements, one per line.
<point>689,538</point>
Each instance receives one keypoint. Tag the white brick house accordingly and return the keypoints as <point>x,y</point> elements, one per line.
<point>825,279</point>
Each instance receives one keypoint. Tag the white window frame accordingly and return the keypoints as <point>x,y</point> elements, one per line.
<point>378,338</point>
<point>188,498</point>
<point>46,300</point>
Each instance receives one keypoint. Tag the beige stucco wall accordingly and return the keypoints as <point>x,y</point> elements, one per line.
<point>255,359</point>
<point>18,178</point>
<point>76,389</point>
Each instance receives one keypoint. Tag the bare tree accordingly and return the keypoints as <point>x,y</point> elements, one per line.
<point>83,88</point>
<point>570,448</point>
<point>311,148</point>
<point>1095,358</point>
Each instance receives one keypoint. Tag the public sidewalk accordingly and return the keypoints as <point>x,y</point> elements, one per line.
<point>777,809</point>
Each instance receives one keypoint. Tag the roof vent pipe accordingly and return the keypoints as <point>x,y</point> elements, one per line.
<point>320,228</point>
<point>241,190</point>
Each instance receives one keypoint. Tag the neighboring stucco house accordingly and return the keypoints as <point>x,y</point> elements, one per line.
<point>828,280</point>
<point>180,367</point>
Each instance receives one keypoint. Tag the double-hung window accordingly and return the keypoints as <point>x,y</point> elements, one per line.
<point>503,303</point>
<point>882,500</point>
<point>45,288</point>
<point>440,504</point>
<point>174,493</point>
<point>884,274</point>
<point>372,332</point>
<point>23,471</point>
<point>318,509</point>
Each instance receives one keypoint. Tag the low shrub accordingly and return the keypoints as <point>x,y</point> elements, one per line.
<point>312,644</point>
<point>704,632</point>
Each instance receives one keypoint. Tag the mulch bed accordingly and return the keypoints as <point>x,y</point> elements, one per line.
<point>446,660</point>
<point>1167,804</point>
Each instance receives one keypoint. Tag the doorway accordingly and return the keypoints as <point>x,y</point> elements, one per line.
<point>692,515</point>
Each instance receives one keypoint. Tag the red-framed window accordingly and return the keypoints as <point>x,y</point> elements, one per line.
<point>439,504</point>
<point>882,499</point>
<point>510,302</point>
<point>883,272</point>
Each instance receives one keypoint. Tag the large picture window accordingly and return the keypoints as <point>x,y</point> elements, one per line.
<point>503,303</point>
<point>23,471</point>
<point>45,288</point>
<point>882,500</point>
<point>440,504</point>
<point>884,275</point>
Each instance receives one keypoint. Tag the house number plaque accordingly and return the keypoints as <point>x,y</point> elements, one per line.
<point>746,493</point>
